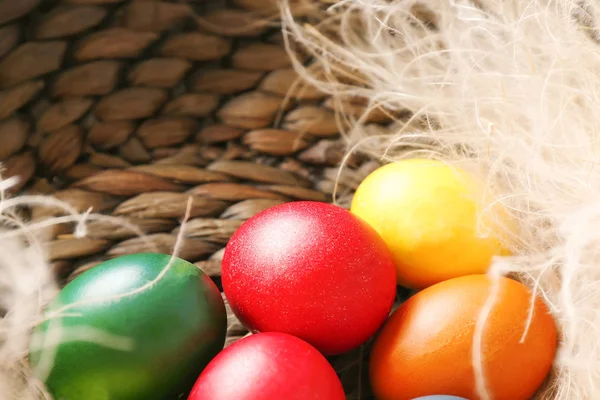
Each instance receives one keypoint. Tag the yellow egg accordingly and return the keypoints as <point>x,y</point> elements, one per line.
<point>433,218</point>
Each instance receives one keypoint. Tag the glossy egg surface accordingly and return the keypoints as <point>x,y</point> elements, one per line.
<point>440,397</point>
<point>425,348</point>
<point>312,270</point>
<point>268,366</point>
<point>433,218</point>
<point>150,345</point>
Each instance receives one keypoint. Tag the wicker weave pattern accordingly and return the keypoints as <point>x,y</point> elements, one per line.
<point>130,107</point>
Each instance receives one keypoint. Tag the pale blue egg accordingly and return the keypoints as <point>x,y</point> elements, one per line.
<point>440,397</point>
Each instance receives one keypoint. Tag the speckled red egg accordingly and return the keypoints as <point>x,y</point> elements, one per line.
<point>312,270</point>
<point>268,366</point>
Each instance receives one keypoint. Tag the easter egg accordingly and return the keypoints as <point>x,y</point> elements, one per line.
<point>429,214</point>
<point>312,270</point>
<point>268,366</point>
<point>425,347</point>
<point>100,344</point>
<point>438,397</point>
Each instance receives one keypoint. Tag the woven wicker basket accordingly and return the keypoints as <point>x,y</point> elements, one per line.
<point>131,106</point>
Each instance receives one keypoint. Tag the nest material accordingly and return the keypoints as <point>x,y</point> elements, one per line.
<point>131,107</point>
<point>508,90</point>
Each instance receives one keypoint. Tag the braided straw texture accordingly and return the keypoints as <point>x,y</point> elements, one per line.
<point>131,107</point>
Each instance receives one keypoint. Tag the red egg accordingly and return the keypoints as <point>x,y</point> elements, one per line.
<point>312,270</point>
<point>268,366</point>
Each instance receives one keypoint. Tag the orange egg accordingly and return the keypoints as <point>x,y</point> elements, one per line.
<point>425,348</point>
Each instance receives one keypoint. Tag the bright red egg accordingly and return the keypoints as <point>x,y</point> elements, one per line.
<point>313,270</point>
<point>268,366</point>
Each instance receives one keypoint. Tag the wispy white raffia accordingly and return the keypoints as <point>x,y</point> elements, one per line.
<point>27,284</point>
<point>509,90</point>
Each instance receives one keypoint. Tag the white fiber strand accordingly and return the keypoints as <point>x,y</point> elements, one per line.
<point>509,90</point>
<point>27,284</point>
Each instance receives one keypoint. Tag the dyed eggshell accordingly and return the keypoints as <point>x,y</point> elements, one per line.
<point>268,366</point>
<point>151,345</point>
<point>440,397</point>
<point>425,347</point>
<point>430,215</point>
<point>312,270</point>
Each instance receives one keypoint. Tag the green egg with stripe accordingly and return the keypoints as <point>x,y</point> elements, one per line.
<point>127,330</point>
